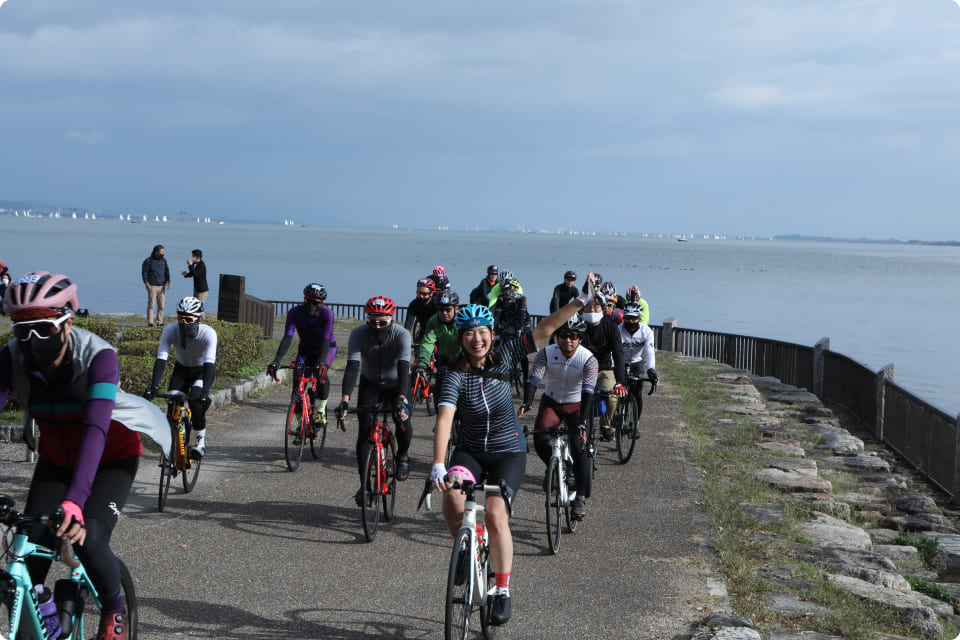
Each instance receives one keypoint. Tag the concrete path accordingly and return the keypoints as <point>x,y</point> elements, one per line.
<point>259,552</point>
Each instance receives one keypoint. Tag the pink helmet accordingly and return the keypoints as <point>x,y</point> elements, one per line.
<point>40,290</point>
<point>439,271</point>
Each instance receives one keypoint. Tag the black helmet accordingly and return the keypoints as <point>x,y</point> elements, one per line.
<point>315,291</point>
<point>492,270</point>
<point>448,298</point>
<point>570,275</point>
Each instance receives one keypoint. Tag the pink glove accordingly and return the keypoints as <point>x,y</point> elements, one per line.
<point>71,512</point>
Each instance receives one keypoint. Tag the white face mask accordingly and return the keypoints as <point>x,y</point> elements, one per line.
<point>593,318</point>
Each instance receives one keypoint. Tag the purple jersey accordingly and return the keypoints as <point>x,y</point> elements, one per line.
<point>312,331</point>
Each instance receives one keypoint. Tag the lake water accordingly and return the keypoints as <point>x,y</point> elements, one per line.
<point>877,303</point>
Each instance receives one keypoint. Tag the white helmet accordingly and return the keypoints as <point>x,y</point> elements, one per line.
<point>190,306</point>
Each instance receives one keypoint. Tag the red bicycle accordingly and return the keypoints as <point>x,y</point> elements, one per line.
<point>422,387</point>
<point>301,425</point>
<point>379,470</point>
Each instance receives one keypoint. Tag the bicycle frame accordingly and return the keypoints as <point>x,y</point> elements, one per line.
<point>560,451</point>
<point>180,419</point>
<point>381,438</point>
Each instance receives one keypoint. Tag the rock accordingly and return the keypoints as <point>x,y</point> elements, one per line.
<point>919,522</point>
<point>856,463</point>
<point>793,481</point>
<point>883,536</point>
<point>793,606</point>
<point>817,502</point>
<point>784,575</point>
<point>795,396</point>
<point>913,612</point>
<point>827,531</point>
<point>783,448</point>
<point>784,634</point>
<point>917,504</point>
<point>724,620</point>
<point>946,559</point>
<point>802,466</point>
<point>764,514</point>
<point>857,563</point>
<point>897,552</point>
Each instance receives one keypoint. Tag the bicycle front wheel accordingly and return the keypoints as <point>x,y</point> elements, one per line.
<point>129,603</point>
<point>166,472</point>
<point>293,435</point>
<point>319,439</point>
<point>370,504</point>
<point>192,471</point>
<point>460,577</point>
<point>627,415</point>
<point>554,504</point>
<point>389,485</point>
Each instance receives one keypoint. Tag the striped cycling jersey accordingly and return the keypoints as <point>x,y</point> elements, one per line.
<point>565,379</point>
<point>483,399</point>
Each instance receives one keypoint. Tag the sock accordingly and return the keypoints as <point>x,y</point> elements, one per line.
<point>503,583</point>
<point>201,434</point>
<point>322,406</point>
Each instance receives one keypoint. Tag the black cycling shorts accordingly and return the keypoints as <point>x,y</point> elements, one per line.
<point>493,467</point>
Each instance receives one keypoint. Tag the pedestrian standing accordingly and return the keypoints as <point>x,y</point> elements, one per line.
<point>197,269</point>
<point>156,278</point>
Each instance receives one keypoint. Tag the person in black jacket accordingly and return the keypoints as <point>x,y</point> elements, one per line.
<point>603,340</point>
<point>156,278</point>
<point>564,292</point>
<point>197,269</point>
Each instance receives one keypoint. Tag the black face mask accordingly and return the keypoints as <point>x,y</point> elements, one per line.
<point>41,353</point>
<point>312,308</point>
<point>188,333</point>
<point>379,333</point>
<point>632,327</point>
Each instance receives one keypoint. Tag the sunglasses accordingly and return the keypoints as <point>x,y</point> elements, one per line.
<point>610,304</point>
<point>188,319</point>
<point>423,294</point>
<point>378,321</point>
<point>570,335</point>
<point>40,329</point>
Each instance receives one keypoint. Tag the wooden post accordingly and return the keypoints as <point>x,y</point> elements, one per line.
<point>956,460</point>
<point>669,336</point>
<point>882,376</point>
<point>818,350</point>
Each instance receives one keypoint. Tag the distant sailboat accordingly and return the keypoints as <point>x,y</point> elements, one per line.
<point>164,218</point>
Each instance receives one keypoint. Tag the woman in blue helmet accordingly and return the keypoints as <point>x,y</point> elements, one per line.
<point>489,440</point>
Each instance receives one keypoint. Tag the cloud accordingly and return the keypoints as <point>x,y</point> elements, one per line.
<point>86,137</point>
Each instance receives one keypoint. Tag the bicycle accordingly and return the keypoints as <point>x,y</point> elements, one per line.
<point>470,582</point>
<point>301,424</point>
<point>559,495</point>
<point>626,418</point>
<point>181,461</point>
<point>422,391</point>
<point>379,471</point>
<point>22,619</point>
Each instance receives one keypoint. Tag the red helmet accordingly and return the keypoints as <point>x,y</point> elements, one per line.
<point>40,292</point>
<point>381,304</point>
<point>439,271</point>
<point>428,283</point>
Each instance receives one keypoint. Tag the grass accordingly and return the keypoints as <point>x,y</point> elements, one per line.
<point>723,449</point>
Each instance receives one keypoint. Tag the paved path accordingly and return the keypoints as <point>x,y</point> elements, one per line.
<point>259,552</point>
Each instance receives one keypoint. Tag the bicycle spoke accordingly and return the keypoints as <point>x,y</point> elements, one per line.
<point>293,435</point>
<point>459,589</point>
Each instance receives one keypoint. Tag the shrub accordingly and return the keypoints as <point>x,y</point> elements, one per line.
<point>106,329</point>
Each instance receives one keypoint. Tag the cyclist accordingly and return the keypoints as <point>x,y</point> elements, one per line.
<point>379,352</point>
<point>195,345</point>
<point>313,323</point>
<point>504,276</point>
<point>610,311</point>
<point>603,340</point>
<point>569,374</point>
<point>489,440</point>
<point>638,345</point>
<point>440,338</point>
<point>421,308</point>
<point>66,379</point>
<point>481,293</point>
<point>510,316</point>
<point>564,292</point>
<point>633,295</point>
<point>440,279</point>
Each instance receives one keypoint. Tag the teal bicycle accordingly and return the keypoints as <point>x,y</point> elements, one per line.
<point>22,619</point>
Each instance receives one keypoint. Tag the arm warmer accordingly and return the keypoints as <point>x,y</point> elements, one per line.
<point>529,391</point>
<point>209,373</point>
<point>350,377</point>
<point>403,377</point>
<point>282,349</point>
<point>159,366</point>
<point>586,406</point>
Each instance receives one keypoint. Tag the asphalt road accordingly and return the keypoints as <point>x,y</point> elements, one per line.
<point>258,552</point>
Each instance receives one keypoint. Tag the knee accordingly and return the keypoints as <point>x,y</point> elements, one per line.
<point>498,523</point>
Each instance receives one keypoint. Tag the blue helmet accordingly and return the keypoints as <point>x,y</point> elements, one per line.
<point>472,315</point>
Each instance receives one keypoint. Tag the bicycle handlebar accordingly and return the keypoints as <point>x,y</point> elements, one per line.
<point>469,488</point>
<point>174,395</point>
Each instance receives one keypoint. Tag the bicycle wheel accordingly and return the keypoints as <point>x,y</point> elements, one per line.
<point>166,473</point>
<point>192,470</point>
<point>293,436</point>
<point>487,630</point>
<point>319,439</point>
<point>129,603</point>
<point>592,448</point>
<point>627,413</point>
<point>571,522</point>
<point>554,504</point>
<point>390,485</point>
<point>456,619</point>
<point>370,505</point>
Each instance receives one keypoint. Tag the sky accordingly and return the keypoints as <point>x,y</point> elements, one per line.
<point>746,117</point>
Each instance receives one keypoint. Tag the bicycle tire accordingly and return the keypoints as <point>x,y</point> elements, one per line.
<point>293,429</point>
<point>319,433</point>
<point>487,630</point>
<point>626,429</point>
<point>390,485</point>
<point>370,503</point>
<point>129,602</point>
<point>166,473</point>
<point>554,504</point>
<point>192,472</point>
<point>593,448</point>
<point>459,601</point>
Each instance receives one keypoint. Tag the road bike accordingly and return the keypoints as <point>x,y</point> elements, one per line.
<point>422,391</point>
<point>20,601</point>
<point>559,494</point>
<point>379,471</point>
<point>626,419</point>
<point>180,461</point>
<point>470,581</point>
<point>301,424</point>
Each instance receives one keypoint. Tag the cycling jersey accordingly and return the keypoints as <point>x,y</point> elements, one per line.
<point>420,310</point>
<point>497,291</point>
<point>444,337</point>
<point>378,359</point>
<point>603,340</point>
<point>639,346</point>
<point>483,399</point>
<point>315,333</point>
<point>510,315</point>
<point>202,350</point>
<point>562,294</point>
<point>481,293</point>
<point>566,379</point>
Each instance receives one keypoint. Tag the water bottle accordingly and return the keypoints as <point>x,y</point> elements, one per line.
<point>48,610</point>
<point>66,595</point>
